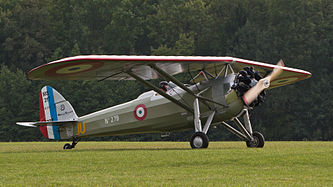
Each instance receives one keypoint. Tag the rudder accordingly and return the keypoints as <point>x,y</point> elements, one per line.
<point>54,107</point>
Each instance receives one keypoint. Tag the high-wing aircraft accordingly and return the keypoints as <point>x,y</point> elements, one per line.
<point>224,90</point>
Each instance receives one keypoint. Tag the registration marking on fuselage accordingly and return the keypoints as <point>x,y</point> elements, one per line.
<point>111,120</point>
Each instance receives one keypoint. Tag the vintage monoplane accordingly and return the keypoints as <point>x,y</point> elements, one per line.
<point>224,89</point>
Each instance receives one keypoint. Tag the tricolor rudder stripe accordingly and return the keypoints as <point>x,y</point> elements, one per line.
<point>47,105</point>
<point>53,132</point>
<point>48,112</point>
<point>50,131</point>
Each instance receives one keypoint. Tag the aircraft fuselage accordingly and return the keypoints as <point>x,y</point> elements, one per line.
<point>151,112</point>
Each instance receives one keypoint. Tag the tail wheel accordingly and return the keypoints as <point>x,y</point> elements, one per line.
<point>67,146</point>
<point>199,140</point>
<point>258,140</point>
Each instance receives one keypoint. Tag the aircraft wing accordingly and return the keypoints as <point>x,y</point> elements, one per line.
<point>112,67</point>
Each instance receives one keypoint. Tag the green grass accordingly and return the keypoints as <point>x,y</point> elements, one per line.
<point>166,164</point>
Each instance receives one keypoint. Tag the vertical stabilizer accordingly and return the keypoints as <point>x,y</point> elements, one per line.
<point>54,107</point>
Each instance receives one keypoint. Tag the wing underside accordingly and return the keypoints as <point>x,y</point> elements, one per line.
<point>111,67</point>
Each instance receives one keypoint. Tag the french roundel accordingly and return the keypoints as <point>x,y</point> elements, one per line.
<point>140,112</point>
<point>74,68</point>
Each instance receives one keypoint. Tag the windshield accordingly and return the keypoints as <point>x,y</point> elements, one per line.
<point>172,85</point>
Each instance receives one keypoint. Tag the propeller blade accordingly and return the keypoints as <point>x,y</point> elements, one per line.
<point>262,84</point>
<point>253,93</point>
<point>277,71</point>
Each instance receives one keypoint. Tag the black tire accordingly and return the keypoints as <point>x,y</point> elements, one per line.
<point>259,140</point>
<point>199,140</point>
<point>67,146</point>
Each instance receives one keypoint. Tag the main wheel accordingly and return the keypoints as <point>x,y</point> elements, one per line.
<point>258,140</point>
<point>199,140</point>
<point>67,146</point>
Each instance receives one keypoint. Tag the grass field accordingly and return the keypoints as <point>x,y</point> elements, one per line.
<point>166,164</point>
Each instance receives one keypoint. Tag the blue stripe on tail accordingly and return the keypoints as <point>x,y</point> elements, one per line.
<point>56,132</point>
<point>53,112</point>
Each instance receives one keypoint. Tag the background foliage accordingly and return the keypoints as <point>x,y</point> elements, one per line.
<point>33,32</point>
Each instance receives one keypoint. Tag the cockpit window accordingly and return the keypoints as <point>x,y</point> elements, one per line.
<point>172,85</point>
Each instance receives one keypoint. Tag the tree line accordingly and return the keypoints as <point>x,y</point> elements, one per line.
<point>34,32</point>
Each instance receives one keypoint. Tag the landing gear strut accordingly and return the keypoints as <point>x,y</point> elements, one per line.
<point>199,138</point>
<point>253,139</point>
<point>69,146</point>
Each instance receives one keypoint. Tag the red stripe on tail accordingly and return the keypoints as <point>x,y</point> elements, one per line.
<point>41,108</point>
<point>42,128</point>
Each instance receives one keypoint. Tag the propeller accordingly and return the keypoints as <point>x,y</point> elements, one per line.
<point>262,84</point>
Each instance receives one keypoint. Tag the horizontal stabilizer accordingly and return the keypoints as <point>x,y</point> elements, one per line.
<point>27,124</point>
<point>42,123</point>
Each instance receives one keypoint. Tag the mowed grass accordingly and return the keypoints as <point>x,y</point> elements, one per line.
<point>166,164</point>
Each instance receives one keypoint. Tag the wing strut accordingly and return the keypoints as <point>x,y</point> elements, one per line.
<point>178,83</point>
<point>171,78</point>
<point>156,89</point>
